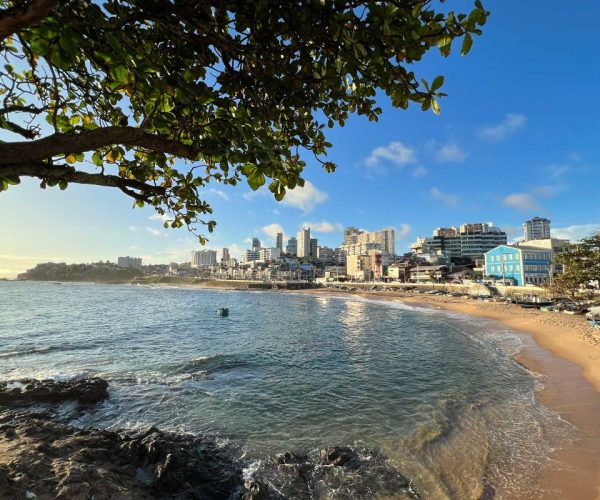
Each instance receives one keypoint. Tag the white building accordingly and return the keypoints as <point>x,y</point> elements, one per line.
<point>537,228</point>
<point>135,262</point>
<point>204,258</point>
<point>250,255</point>
<point>268,254</point>
<point>303,242</point>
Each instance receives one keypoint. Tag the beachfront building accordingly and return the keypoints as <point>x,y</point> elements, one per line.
<point>134,262</point>
<point>520,265</point>
<point>428,274</point>
<point>468,241</point>
<point>358,267</point>
<point>537,228</point>
<point>204,258</point>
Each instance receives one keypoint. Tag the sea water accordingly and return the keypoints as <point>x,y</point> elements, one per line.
<point>438,394</point>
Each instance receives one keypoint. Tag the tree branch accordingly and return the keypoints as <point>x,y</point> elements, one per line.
<point>23,15</point>
<point>70,174</point>
<point>90,140</point>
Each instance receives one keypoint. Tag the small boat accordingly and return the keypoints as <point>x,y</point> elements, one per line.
<point>223,311</point>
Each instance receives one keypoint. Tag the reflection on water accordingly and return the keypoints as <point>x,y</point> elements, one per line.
<point>437,394</point>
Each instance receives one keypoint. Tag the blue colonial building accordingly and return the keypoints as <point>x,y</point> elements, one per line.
<point>519,265</point>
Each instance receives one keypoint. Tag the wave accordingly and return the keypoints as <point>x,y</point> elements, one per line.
<point>27,352</point>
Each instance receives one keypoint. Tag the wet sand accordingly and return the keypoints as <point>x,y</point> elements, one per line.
<point>567,353</point>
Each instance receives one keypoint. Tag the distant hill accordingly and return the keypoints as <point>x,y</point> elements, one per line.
<point>103,272</point>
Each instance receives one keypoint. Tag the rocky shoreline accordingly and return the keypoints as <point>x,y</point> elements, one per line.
<point>43,457</point>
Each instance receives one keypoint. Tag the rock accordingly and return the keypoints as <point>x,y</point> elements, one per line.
<point>290,458</point>
<point>65,462</point>
<point>339,456</point>
<point>89,390</point>
<point>255,490</point>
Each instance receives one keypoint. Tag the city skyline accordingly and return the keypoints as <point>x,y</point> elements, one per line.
<point>511,143</point>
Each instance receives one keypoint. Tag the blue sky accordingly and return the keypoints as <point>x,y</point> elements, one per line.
<point>517,137</point>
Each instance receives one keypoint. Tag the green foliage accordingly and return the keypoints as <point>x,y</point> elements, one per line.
<point>239,91</point>
<point>581,267</point>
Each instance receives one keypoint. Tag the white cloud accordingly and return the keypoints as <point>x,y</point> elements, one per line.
<point>305,198</point>
<point>419,171</point>
<point>324,226</point>
<point>521,201</point>
<point>250,195</point>
<point>497,133</point>
<point>162,218</point>
<point>153,231</point>
<point>403,231</point>
<point>450,152</point>
<point>395,152</point>
<point>449,199</point>
<point>271,230</point>
<point>133,228</point>
<point>575,232</point>
<point>219,193</point>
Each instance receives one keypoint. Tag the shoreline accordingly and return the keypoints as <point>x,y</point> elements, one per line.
<point>566,352</point>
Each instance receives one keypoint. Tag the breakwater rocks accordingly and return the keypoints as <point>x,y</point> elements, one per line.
<point>43,458</point>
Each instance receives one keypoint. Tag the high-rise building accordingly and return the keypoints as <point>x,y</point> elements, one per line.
<point>357,242</point>
<point>255,244</point>
<point>313,248</point>
<point>303,237</point>
<point>225,255</point>
<point>537,228</point>
<point>469,241</point>
<point>279,241</point>
<point>351,235</point>
<point>204,258</point>
<point>292,246</point>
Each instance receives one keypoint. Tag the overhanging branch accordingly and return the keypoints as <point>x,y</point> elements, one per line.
<point>136,189</point>
<point>23,15</point>
<point>90,140</point>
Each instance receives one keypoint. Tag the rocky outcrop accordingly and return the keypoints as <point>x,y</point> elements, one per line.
<point>44,459</point>
<point>89,390</point>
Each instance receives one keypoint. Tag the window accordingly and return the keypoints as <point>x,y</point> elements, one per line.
<point>510,268</point>
<point>517,268</point>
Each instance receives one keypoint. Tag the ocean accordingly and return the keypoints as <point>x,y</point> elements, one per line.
<point>438,395</point>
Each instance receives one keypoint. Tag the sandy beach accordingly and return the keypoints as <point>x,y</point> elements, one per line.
<point>569,359</point>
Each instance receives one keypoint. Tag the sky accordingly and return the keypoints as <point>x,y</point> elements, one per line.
<point>517,137</point>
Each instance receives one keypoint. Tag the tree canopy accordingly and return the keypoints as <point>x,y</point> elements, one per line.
<point>581,267</point>
<point>112,93</point>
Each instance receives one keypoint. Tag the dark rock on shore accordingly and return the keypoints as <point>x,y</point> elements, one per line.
<point>90,390</point>
<point>53,460</point>
<point>337,472</point>
<point>41,458</point>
